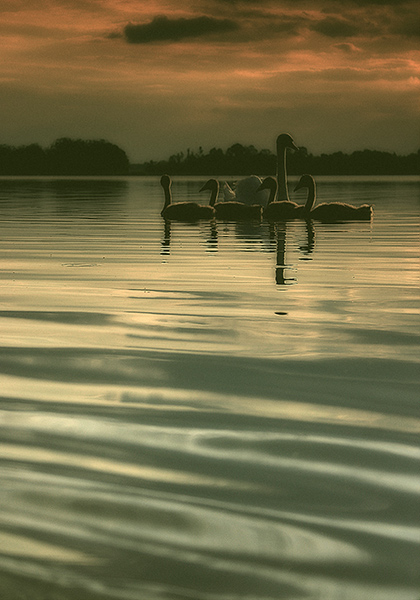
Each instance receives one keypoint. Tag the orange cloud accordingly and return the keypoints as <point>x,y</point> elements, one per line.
<point>227,71</point>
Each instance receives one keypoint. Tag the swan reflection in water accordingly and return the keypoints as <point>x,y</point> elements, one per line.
<point>278,233</point>
<point>166,240</point>
<point>253,237</point>
<point>308,247</point>
<point>210,234</point>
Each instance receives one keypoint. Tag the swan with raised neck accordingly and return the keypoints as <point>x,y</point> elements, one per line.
<point>283,142</point>
<point>182,211</point>
<point>331,211</point>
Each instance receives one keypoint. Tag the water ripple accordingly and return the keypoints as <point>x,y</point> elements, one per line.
<point>166,435</point>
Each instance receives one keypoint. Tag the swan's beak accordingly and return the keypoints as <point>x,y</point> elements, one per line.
<point>205,187</point>
<point>298,186</point>
<point>294,147</point>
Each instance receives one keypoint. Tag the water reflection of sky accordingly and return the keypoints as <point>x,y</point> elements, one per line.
<point>291,289</point>
<point>188,405</point>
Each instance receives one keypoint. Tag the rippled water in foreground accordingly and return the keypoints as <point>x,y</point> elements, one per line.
<point>207,411</point>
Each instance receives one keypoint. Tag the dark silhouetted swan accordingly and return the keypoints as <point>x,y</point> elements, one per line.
<point>231,210</point>
<point>279,210</point>
<point>333,211</point>
<point>248,190</point>
<point>182,211</point>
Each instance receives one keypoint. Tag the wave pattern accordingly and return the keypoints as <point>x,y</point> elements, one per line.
<point>177,422</point>
<point>186,495</point>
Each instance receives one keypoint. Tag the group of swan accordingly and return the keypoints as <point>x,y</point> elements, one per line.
<point>278,210</point>
<point>250,195</point>
<point>232,209</point>
<point>248,190</point>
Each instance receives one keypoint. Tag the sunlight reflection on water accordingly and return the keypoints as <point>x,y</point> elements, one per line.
<point>212,410</point>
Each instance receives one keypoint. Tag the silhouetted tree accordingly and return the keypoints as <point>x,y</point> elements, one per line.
<point>30,160</point>
<point>6,159</point>
<point>99,157</point>
<point>64,157</point>
<point>91,157</point>
<point>247,160</point>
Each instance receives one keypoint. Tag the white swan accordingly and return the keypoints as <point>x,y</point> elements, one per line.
<point>231,210</point>
<point>182,211</point>
<point>245,191</point>
<point>333,211</point>
<point>248,190</point>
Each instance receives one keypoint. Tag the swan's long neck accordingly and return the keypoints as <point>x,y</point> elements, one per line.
<point>168,196</point>
<point>310,200</point>
<point>282,193</point>
<point>214,193</point>
<point>273,191</point>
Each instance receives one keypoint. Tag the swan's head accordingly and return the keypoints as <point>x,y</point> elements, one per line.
<point>211,185</point>
<point>165,181</point>
<point>306,181</point>
<point>285,140</point>
<point>269,183</point>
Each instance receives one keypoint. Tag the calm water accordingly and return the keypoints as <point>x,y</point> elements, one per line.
<point>207,411</point>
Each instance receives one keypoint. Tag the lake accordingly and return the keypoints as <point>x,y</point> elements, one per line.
<point>207,411</point>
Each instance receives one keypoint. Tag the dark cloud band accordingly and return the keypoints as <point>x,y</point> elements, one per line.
<point>334,27</point>
<point>164,29</point>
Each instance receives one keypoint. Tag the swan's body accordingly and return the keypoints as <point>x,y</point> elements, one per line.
<point>279,210</point>
<point>333,211</point>
<point>245,191</point>
<point>231,210</point>
<point>182,211</point>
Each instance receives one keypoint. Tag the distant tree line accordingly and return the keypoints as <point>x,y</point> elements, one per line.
<point>64,157</point>
<point>245,160</point>
<point>99,157</point>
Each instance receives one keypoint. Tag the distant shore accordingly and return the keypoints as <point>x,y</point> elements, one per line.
<point>100,157</point>
<point>247,160</point>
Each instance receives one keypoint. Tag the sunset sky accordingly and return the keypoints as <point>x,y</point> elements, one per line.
<point>160,76</point>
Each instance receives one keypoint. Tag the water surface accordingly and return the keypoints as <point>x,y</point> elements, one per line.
<point>207,411</point>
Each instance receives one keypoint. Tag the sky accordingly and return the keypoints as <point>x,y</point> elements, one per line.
<point>158,77</point>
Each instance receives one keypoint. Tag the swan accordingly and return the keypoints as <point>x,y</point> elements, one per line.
<point>279,210</point>
<point>182,211</point>
<point>333,211</point>
<point>231,210</point>
<point>248,190</point>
